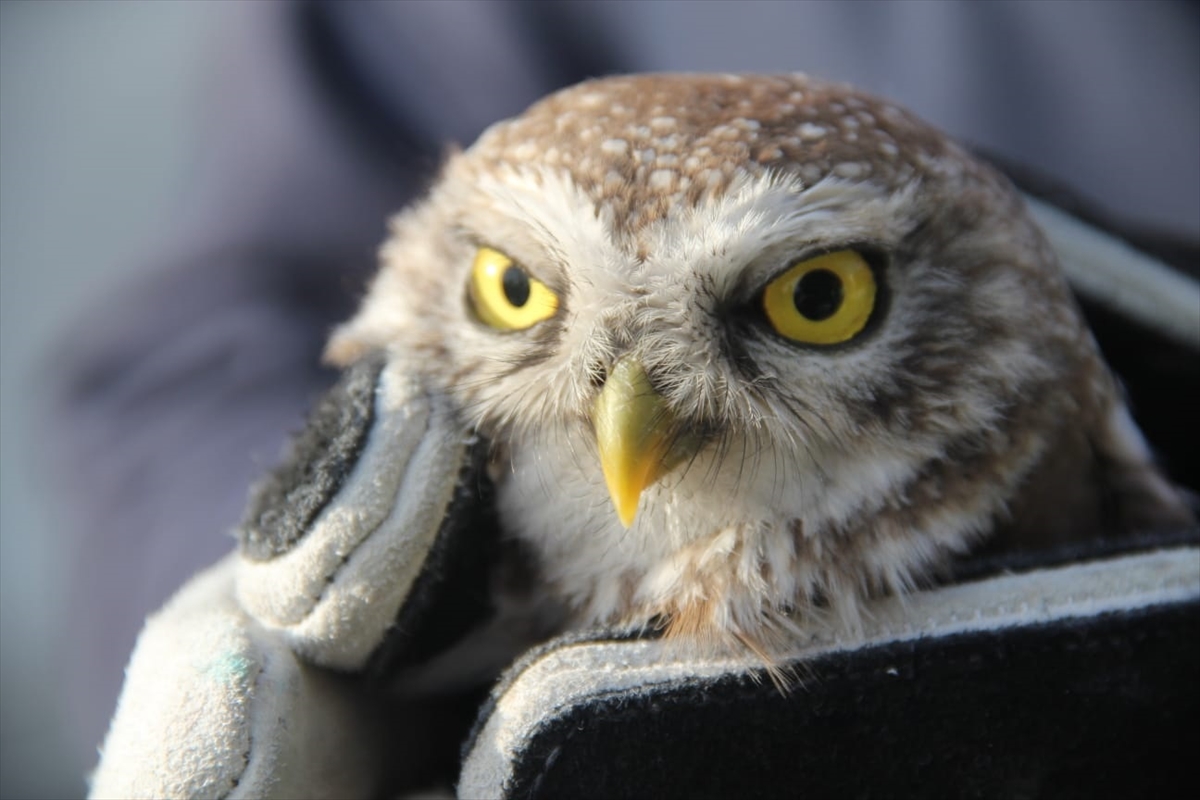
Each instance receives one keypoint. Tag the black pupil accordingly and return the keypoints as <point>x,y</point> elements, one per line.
<point>516,286</point>
<point>818,295</point>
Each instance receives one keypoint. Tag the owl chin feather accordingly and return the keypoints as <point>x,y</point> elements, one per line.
<point>964,406</point>
<point>760,588</point>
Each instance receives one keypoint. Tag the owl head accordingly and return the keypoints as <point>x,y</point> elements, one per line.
<point>750,349</point>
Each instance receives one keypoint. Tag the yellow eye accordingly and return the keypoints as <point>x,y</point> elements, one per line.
<point>824,300</point>
<point>504,296</point>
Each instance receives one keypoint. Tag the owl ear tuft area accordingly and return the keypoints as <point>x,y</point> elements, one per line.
<point>346,346</point>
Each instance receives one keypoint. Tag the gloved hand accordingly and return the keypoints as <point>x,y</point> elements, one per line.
<point>365,553</point>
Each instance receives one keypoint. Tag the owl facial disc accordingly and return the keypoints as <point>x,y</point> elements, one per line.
<point>837,353</point>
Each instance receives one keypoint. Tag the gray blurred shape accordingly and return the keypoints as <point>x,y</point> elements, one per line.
<point>95,115</point>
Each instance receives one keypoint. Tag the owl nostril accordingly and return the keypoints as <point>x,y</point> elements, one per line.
<point>598,375</point>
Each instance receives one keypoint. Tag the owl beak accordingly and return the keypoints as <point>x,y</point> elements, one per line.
<point>637,435</point>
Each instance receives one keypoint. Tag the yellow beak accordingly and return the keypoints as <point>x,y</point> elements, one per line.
<point>638,437</point>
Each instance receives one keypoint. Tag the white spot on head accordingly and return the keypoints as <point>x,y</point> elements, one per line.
<point>662,124</point>
<point>671,142</point>
<point>662,179</point>
<point>810,131</point>
<point>614,147</point>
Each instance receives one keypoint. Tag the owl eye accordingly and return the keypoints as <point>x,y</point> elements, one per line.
<point>823,300</point>
<point>504,296</point>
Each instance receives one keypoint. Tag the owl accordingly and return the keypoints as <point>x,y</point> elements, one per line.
<point>750,350</point>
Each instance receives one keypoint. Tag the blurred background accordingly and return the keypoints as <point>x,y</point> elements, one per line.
<point>97,110</point>
<point>191,193</point>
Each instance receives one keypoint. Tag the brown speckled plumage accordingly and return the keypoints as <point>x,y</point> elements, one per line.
<point>656,208</point>
<point>643,145</point>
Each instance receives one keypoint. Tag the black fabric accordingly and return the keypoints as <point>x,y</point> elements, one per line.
<point>284,504</point>
<point>1099,707</point>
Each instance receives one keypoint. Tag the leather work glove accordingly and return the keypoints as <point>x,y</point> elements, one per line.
<point>363,554</point>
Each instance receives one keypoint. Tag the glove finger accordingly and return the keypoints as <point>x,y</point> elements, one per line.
<point>377,487</point>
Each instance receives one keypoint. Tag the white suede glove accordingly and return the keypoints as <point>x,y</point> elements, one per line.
<point>247,683</point>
